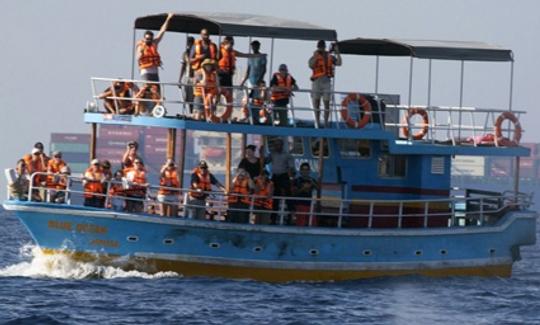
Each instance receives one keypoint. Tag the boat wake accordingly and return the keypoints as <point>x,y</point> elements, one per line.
<point>62,266</point>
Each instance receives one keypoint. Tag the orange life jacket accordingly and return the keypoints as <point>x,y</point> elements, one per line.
<point>209,83</point>
<point>62,182</point>
<point>323,66</point>
<point>93,184</point>
<point>150,56</point>
<point>169,179</point>
<point>201,54</point>
<point>285,85</point>
<point>53,167</point>
<point>240,187</point>
<point>37,166</point>
<point>136,177</point>
<point>227,60</point>
<point>264,197</point>
<point>204,185</point>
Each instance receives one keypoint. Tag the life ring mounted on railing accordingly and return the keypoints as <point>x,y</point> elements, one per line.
<point>407,120</point>
<point>365,107</point>
<point>209,102</point>
<point>502,141</point>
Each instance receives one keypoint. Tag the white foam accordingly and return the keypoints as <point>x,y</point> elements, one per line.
<point>61,266</point>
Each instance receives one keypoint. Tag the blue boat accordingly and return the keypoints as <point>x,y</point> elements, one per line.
<point>385,206</point>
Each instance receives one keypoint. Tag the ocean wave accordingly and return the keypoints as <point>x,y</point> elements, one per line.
<point>61,266</point>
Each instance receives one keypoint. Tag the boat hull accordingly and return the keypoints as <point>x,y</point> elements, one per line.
<point>274,253</point>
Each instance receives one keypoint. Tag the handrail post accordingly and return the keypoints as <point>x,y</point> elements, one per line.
<point>281,211</point>
<point>481,219</point>
<point>340,218</point>
<point>400,215</point>
<point>107,194</point>
<point>251,204</point>
<point>426,211</point>
<point>30,188</point>
<point>453,212</point>
<point>370,217</point>
<point>311,211</point>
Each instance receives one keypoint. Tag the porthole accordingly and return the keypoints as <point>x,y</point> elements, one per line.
<point>443,251</point>
<point>214,245</point>
<point>257,249</point>
<point>367,252</point>
<point>314,252</point>
<point>418,253</point>
<point>492,251</point>
<point>133,238</point>
<point>168,241</point>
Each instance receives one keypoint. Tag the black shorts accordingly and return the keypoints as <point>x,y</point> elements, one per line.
<point>225,79</point>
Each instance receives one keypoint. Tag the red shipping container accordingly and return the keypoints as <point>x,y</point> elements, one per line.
<point>153,140</point>
<point>118,133</point>
<point>154,131</point>
<point>113,143</point>
<point>75,157</point>
<point>70,138</point>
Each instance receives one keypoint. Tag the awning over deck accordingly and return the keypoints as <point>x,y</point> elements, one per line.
<point>426,49</point>
<point>237,25</point>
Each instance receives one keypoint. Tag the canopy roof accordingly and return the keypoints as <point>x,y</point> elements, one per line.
<point>237,25</point>
<point>426,49</point>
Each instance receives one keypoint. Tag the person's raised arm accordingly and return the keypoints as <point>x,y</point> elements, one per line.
<point>163,28</point>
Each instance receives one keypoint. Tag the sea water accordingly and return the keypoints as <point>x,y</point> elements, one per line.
<point>48,289</point>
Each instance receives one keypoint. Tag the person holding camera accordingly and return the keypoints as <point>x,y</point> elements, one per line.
<point>147,98</point>
<point>130,155</point>
<point>169,191</point>
<point>323,64</point>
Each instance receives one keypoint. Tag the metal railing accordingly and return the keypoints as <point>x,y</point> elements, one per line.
<point>463,208</point>
<point>446,124</point>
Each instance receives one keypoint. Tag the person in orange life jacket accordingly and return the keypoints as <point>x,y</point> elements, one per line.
<point>44,157</point>
<point>258,110</point>
<point>147,52</point>
<point>303,187</point>
<point>148,97</point>
<point>93,185</point>
<point>239,197</point>
<point>282,85</point>
<point>62,182</point>
<point>206,89</point>
<point>227,61</point>
<point>116,192</point>
<point>130,155</point>
<point>264,190</point>
<point>169,194</point>
<point>251,163</point>
<point>119,89</point>
<point>185,80</point>
<point>323,64</point>
<point>283,171</point>
<point>202,50</point>
<point>201,183</point>
<point>36,163</point>
<point>136,178</point>
<point>53,170</point>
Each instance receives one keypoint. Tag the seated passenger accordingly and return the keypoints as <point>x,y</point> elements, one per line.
<point>303,187</point>
<point>206,89</point>
<point>93,185</point>
<point>264,190</point>
<point>167,195</point>
<point>120,89</point>
<point>53,169</point>
<point>59,195</point>
<point>136,187</point>
<point>239,198</point>
<point>201,183</point>
<point>148,97</point>
<point>282,85</point>
<point>18,186</point>
<point>36,163</point>
<point>116,192</point>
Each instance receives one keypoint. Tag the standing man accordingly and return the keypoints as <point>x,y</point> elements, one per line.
<point>93,185</point>
<point>186,74</point>
<point>148,55</point>
<point>203,49</point>
<point>282,85</point>
<point>323,64</point>
<point>201,183</point>
<point>256,68</point>
<point>303,187</point>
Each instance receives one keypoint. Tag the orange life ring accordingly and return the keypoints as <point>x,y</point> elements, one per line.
<point>210,115</point>
<point>410,113</point>
<point>500,140</point>
<point>365,106</point>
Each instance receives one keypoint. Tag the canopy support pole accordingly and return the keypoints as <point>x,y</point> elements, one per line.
<point>171,143</point>
<point>133,54</point>
<point>182,160</point>
<point>243,144</point>
<point>410,97</point>
<point>321,167</point>
<point>377,75</point>
<point>461,97</point>
<point>228,157</point>
<point>93,134</point>
<point>516,175</point>
<point>511,86</point>
<point>434,113</point>
<point>271,62</point>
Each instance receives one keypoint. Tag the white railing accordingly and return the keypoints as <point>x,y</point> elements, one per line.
<point>469,207</point>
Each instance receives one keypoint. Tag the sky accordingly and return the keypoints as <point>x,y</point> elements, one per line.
<point>52,48</point>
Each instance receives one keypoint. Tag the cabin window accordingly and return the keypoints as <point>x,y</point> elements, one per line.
<point>392,166</point>
<point>437,165</point>
<point>315,147</point>
<point>350,148</point>
<point>296,146</point>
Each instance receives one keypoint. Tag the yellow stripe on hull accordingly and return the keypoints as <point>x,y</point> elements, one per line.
<point>190,269</point>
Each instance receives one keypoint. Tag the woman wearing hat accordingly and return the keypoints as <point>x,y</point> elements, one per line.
<point>206,88</point>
